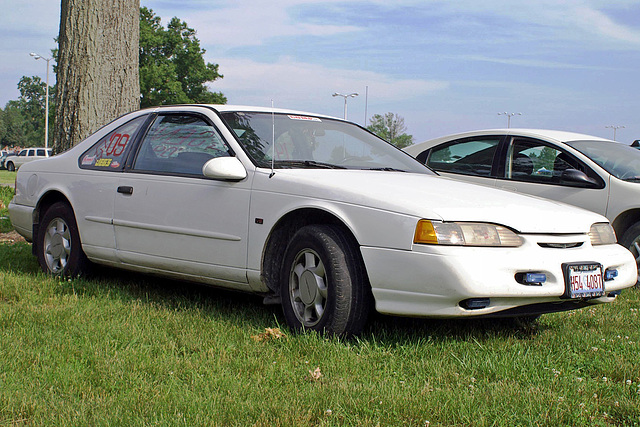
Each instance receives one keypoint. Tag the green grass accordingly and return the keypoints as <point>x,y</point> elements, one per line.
<point>125,349</point>
<point>6,194</point>
<point>7,177</point>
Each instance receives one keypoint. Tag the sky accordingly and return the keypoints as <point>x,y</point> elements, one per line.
<point>445,66</point>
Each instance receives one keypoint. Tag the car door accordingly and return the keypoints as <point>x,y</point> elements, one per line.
<point>169,217</point>
<point>471,159</point>
<point>22,157</point>
<point>537,167</point>
<point>101,168</point>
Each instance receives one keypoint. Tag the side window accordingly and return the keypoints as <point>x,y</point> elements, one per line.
<point>32,153</point>
<point>179,144</point>
<point>40,152</point>
<point>23,153</point>
<point>110,152</point>
<point>535,161</point>
<point>467,157</point>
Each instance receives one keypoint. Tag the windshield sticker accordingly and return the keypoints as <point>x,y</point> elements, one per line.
<point>103,162</point>
<point>306,118</point>
<point>88,160</point>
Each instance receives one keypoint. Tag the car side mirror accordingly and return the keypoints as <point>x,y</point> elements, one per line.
<point>578,177</point>
<point>225,169</point>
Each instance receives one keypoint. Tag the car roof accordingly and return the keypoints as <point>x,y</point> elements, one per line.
<point>547,134</point>
<point>223,108</point>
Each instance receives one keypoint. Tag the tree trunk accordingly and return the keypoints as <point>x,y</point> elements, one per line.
<point>97,77</point>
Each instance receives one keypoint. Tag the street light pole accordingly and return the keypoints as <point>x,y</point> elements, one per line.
<point>509,115</point>
<point>351,95</point>
<point>615,128</point>
<point>46,100</point>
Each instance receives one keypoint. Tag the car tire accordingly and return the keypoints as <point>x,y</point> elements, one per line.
<point>58,245</point>
<point>324,285</point>
<point>11,167</point>
<point>631,240</point>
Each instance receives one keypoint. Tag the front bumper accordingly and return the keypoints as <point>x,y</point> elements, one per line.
<point>437,281</point>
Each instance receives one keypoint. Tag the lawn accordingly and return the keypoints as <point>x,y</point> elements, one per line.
<point>126,349</point>
<point>6,194</point>
<point>7,177</point>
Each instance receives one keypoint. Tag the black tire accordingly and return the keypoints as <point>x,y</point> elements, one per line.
<point>58,244</point>
<point>11,167</point>
<point>631,240</point>
<point>324,285</point>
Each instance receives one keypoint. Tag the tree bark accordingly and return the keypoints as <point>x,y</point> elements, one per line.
<point>97,75</point>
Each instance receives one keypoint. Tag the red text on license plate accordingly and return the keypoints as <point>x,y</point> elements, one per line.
<point>585,281</point>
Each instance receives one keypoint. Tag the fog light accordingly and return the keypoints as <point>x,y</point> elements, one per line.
<point>475,303</point>
<point>531,279</point>
<point>535,278</point>
<point>610,274</point>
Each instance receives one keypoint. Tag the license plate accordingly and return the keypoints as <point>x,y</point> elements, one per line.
<point>583,280</point>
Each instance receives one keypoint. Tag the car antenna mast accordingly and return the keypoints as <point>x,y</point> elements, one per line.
<point>273,140</point>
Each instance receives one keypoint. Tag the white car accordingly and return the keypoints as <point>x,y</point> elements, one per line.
<point>26,155</point>
<point>587,171</point>
<point>312,212</point>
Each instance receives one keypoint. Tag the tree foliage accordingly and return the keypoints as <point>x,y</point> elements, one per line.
<point>22,120</point>
<point>391,128</point>
<point>172,67</point>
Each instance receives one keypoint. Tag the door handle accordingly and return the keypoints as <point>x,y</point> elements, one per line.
<point>125,189</point>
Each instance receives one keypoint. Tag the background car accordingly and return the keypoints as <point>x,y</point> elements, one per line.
<point>312,212</point>
<point>27,155</point>
<point>4,158</point>
<point>587,171</point>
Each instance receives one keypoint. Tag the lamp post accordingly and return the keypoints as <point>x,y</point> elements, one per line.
<point>509,115</point>
<point>615,128</point>
<point>351,95</point>
<point>46,100</point>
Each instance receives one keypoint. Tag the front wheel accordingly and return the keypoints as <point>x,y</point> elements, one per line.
<point>58,244</point>
<point>631,240</point>
<point>323,282</point>
<point>11,167</point>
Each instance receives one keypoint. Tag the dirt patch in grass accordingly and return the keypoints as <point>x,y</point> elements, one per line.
<point>11,237</point>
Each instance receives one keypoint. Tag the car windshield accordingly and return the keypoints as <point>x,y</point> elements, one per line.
<point>621,161</point>
<point>312,142</point>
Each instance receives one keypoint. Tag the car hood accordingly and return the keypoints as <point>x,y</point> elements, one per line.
<point>432,197</point>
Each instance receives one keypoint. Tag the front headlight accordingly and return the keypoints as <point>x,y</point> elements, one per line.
<point>602,233</point>
<point>465,234</point>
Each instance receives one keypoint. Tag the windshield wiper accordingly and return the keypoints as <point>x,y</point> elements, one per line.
<point>386,169</point>
<point>308,164</point>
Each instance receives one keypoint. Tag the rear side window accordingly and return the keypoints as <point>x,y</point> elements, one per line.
<point>179,144</point>
<point>110,152</point>
<point>41,153</point>
<point>467,157</point>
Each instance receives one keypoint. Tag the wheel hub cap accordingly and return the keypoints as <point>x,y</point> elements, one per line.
<point>308,287</point>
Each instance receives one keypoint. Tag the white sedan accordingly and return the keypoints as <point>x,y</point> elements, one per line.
<point>583,170</point>
<point>312,212</point>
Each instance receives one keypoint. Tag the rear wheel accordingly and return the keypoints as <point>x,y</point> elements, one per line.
<point>324,285</point>
<point>58,244</point>
<point>11,167</point>
<point>631,240</point>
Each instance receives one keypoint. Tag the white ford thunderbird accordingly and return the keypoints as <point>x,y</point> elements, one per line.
<point>310,211</point>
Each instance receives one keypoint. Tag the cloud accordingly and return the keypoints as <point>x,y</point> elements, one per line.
<point>251,22</point>
<point>310,86</point>
<point>533,63</point>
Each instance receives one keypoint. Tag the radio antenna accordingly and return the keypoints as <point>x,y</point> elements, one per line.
<point>273,140</point>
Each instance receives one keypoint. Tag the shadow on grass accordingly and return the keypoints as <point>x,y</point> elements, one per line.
<point>399,330</point>
<point>217,303</point>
